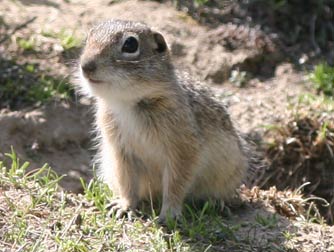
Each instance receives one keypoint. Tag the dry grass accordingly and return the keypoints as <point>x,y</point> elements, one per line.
<point>302,151</point>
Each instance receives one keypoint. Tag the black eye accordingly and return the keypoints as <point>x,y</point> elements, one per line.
<point>130,45</point>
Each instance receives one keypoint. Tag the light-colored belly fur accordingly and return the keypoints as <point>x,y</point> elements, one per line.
<point>218,172</point>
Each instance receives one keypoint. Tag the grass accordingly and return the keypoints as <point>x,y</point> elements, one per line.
<point>323,79</point>
<point>267,221</point>
<point>67,38</point>
<point>40,217</point>
<point>26,44</point>
<point>36,215</point>
<point>26,84</point>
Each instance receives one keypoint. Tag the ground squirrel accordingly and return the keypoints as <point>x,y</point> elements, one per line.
<point>162,134</point>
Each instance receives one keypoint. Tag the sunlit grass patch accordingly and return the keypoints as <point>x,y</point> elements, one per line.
<point>67,38</point>
<point>323,78</point>
<point>26,44</point>
<point>38,216</point>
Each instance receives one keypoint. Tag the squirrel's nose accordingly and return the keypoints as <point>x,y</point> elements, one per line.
<point>88,66</point>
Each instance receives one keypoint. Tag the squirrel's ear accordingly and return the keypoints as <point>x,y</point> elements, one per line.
<point>161,45</point>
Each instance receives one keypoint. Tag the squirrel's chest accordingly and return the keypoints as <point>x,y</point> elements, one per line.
<point>137,136</point>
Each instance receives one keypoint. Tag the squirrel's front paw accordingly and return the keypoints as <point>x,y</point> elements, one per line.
<point>120,208</point>
<point>169,213</point>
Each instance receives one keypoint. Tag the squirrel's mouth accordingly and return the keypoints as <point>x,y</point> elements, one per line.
<point>94,81</point>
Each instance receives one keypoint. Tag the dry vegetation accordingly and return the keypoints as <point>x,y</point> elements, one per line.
<point>301,151</point>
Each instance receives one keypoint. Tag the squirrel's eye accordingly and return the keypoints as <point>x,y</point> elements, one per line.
<point>130,45</point>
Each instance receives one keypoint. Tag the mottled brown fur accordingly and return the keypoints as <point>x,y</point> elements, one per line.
<point>161,132</point>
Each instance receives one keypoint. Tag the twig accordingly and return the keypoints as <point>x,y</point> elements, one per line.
<point>72,221</point>
<point>19,27</point>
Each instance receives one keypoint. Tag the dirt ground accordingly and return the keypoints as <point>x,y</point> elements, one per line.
<point>61,133</point>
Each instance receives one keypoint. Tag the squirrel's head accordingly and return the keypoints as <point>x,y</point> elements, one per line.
<point>124,58</point>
